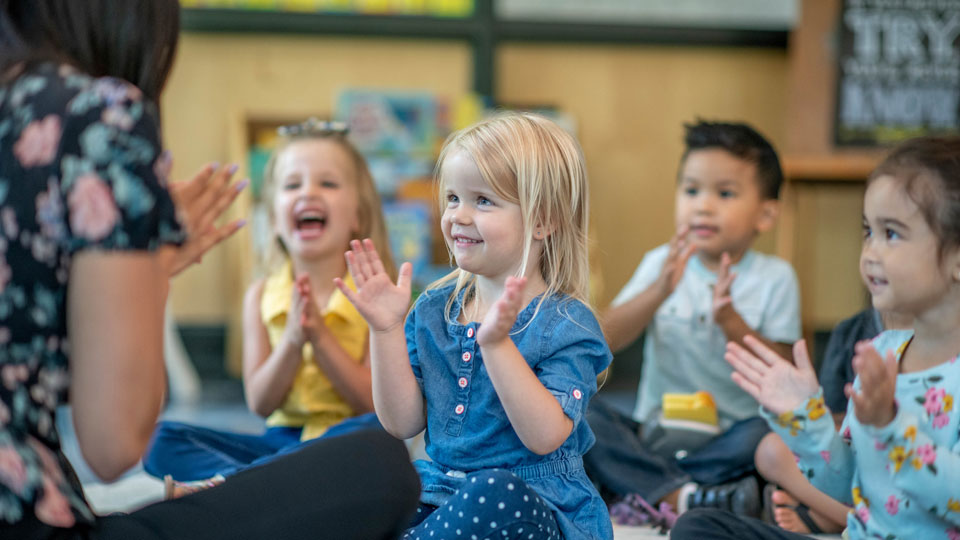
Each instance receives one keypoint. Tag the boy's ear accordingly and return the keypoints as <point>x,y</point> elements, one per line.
<point>769,211</point>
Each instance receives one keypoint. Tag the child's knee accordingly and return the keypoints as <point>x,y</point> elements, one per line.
<point>772,455</point>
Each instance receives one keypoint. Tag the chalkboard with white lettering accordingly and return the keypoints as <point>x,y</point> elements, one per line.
<point>899,70</point>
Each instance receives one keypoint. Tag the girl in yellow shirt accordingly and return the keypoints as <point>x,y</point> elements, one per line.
<point>306,363</point>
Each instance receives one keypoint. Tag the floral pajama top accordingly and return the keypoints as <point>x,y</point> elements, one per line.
<point>80,168</point>
<point>903,480</point>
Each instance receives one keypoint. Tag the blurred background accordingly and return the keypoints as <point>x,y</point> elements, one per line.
<point>830,82</point>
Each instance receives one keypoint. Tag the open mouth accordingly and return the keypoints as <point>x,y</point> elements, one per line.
<point>310,222</point>
<point>875,282</point>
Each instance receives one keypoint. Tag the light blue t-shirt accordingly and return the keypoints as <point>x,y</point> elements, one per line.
<point>684,348</point>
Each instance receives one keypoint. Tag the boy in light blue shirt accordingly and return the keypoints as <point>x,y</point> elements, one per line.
<point>689,297</point>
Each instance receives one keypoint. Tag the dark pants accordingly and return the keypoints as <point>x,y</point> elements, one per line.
<point>358,486</point>
<point>188,452</point>
<point>713,524</point>
<point>620,463</point>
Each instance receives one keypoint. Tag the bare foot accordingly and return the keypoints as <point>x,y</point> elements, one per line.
<point>785,514</point>
<point>173,489</point>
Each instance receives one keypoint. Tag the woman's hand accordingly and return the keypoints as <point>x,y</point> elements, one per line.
<point>200,202</point>
<point>501,316</point>
<point>774,382</point>
<point>874,404</point>
<point>383,304</point>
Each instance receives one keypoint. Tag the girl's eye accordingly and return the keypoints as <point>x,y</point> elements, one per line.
<point>452,199</point>
<point>866,231</point>
<point>891,234</point>
<point>726,194</point>
<point>690,192</point>
<point>289,186</point>
<point>330,184</point>
<point>483,201</point>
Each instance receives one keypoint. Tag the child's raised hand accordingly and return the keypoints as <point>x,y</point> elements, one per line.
<point>774,382</point>
<point>722,301</point>
<point>676,262</point>
<point>874,404</point>
<point>383,304</point>
<point>499,319</point>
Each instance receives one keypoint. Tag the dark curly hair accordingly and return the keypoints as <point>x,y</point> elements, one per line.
<point>743,142</point>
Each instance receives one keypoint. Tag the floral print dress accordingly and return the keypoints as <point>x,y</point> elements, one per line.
<point>80,168</point>
<point>902,480</point>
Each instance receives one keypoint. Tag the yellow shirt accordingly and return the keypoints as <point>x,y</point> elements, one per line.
<point>312,402</point>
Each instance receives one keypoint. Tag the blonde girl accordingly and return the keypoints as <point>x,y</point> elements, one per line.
<point>306,361</point>
<point>498,360</point>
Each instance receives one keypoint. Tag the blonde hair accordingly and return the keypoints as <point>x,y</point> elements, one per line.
<point>369,209</point>
<point>529,160</point>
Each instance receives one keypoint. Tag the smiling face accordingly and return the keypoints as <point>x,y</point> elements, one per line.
<point>900,262</point>
<point>719,199</point>
<point>315,199</point>
<point>483,231</point>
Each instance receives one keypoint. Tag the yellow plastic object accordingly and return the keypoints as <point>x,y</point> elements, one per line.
<point>696,407</point>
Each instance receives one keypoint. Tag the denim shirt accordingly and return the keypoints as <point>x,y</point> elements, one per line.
<point>467,426</point>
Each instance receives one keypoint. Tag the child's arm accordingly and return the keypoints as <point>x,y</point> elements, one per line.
<point>397,397</point>
<point>793,405</point>
<point>623,324</point>
<point>729,320</point>
<point>267,373</point>
<point>925,471</point>
<point>535,414</point>
<point>350,379</point>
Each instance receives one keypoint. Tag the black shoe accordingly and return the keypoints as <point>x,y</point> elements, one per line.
<point>741,497</point>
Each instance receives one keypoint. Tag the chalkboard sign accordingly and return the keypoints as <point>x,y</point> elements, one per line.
<point>899,70</point>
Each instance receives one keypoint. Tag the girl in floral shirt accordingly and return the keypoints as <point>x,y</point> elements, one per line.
<point>896,458</point>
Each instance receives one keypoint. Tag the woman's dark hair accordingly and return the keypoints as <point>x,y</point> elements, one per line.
<point>928,169</point>
<point>134,40</point>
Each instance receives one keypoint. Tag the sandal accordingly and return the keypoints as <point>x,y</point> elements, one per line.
<point>802,510</point>
<point>633,510</point>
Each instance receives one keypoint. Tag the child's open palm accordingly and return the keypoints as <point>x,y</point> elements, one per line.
<point>874,402</point>
<point>499,319</point>
<point>774,382</point>
<point>676,262</point>
<point>722,300</point>
<point>381,302</point>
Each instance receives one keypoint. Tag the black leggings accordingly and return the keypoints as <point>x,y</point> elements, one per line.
<point>360,485</point>
<point>714,524</point>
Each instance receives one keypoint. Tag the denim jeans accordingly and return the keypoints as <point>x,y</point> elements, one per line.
<point>188,452</point>
<point>620,463</point>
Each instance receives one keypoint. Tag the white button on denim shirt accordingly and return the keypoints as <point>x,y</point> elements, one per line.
<point>467,427</point>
